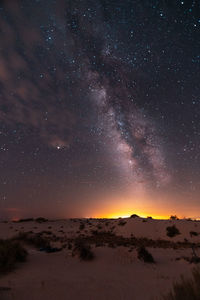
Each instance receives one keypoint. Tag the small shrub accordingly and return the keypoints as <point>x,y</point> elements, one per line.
<point>193,233</point>
<point>172,231</point>
<point>11,252</point>
<point>145,255</point>
<point>36,240</point>
<point>194,260</point>
<point>173,217</point>
<point>83,250</point>
<point>82,226</point>
<point>24,220</point>
<point>187,289</point>
<point>41,220</point>
<point>121,223</point>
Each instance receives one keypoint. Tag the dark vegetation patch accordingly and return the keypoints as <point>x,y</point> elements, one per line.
<point>145,255</point>
<point>82,226</point>
<point>83,250</point>
<point>193,233</point>
<point>174,217</point>
<point>69,246</point>
<point>122,223</point>
<point>172,231</point>
<point>186,289</point>
<point>24,220</point>
<point>4,288</point>
<point>35,239</point>
<point>38,240</point>
<point>11,252</point>
<point>109,238</point>
<point>41,220</point>
<point>191,260</point>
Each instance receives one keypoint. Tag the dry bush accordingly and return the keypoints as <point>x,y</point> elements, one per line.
<point>69,246</point>
<point>186,289</point>
<point>41,220</point>
<point>172,231</point>
<point>24,220</point>
<point>145,255</point>
<point>82,226</point>
<point>11,252</point>
<point>122,223</point>
<point>193,233</point>
<point>36,239</point>
<point>174,217</point>
<point>83,250</point>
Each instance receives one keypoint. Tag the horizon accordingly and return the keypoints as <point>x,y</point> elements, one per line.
<point>114,217</point>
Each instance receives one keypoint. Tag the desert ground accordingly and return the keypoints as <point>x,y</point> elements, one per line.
<point>98,258</point>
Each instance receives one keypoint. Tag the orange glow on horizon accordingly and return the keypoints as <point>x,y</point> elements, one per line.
<point>128,213</point>
<point>116,216</point>
<point>125,206</point>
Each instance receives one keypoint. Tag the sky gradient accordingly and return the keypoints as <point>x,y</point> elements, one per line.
<point>99,108</point>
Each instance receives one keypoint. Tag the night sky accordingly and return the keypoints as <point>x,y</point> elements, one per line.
<point>99,108</point>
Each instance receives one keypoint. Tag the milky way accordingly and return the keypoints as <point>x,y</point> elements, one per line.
<point>130,138</point>
<point>98,98</point>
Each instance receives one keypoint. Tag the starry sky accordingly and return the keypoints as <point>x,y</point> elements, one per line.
<point>99,108</point>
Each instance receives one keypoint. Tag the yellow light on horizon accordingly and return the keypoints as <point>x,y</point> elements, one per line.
<point>125,207</point>
<point>117,215</point>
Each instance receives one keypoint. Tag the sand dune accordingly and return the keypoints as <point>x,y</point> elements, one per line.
<point>114,273</point>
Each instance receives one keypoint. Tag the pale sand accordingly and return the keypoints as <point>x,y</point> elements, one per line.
<point>115,273</point>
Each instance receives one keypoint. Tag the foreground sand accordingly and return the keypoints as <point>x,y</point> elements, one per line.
<point>115,272</point>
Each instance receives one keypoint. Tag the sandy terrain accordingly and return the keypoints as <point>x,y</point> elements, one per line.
<point>114,273</point>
